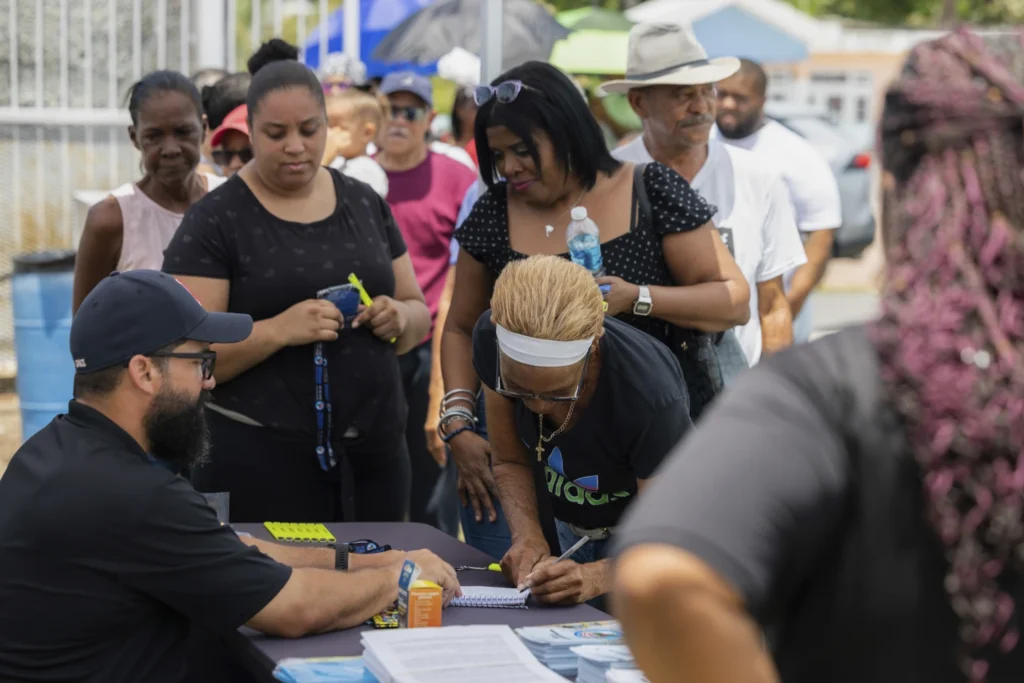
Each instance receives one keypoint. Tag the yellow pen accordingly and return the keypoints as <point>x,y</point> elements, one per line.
<point>364,297</point>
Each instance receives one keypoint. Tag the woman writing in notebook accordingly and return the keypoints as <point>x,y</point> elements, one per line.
<point>599,402</point>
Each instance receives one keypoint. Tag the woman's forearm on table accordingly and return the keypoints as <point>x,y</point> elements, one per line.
<point>234,359</point>
<point>518,498</point>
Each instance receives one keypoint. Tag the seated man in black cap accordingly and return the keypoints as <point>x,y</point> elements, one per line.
<point>107,554</point>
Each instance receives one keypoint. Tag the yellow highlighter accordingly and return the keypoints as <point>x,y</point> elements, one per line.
<point>364,297</point>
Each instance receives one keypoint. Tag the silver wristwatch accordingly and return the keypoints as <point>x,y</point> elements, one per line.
<point>643,303</point>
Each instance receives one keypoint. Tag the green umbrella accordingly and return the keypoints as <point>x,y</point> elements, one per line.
<point>594,18</point>
<point>592,52</point>
<point>597,44</point>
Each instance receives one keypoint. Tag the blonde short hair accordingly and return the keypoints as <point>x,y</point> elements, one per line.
<point>548,297</point>
<point>365,106</point>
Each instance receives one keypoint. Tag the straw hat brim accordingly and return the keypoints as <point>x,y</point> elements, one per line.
<point>715,70</point>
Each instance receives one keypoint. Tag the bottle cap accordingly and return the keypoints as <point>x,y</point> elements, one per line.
<point>579,213</point>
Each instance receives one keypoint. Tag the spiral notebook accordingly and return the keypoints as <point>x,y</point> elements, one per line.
<point>491,596</point>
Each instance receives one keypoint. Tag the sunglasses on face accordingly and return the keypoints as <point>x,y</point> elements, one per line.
<point>410,114</point>
<point>503,92</point>
<point>223,157</point>
<point>500,389</point>
<point>207,359</point>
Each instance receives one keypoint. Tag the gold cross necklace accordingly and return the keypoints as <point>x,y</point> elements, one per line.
<point>541,439</point>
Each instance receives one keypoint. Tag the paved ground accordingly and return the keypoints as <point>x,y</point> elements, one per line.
<point>833,311</point>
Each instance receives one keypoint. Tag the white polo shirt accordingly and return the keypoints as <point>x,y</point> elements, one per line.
<point>755,220</point>
<point>812,186</point>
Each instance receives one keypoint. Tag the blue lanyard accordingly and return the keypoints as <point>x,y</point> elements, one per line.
<point>324,450</point>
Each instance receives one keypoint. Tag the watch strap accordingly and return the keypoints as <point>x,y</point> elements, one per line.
<point>341,552</point>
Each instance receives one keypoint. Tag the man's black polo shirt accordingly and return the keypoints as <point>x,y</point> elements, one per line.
<point>106,559</point>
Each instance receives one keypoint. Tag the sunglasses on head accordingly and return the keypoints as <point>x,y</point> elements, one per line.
<point>503,92</point>
<point>410,114</point>
<point>223,157</point>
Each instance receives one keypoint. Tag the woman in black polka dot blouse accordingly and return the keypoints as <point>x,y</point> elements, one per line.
<point>542,154</point>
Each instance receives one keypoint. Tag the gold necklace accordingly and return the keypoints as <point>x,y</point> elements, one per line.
<point>541,439</point>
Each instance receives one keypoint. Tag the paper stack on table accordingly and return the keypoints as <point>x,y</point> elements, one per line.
<point>552,644</point>
<point>626,676</point>
<point>595,661</point>
<point>453,654</point>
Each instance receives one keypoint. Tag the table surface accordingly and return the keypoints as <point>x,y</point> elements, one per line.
<point>408,536</point>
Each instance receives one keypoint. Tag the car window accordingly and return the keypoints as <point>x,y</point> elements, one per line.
<point>822,134</point>
<point>814,129</point>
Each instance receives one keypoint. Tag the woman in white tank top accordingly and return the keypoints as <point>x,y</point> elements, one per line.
<point>131,228</point>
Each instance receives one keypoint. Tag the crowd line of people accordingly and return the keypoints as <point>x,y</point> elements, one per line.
<point>489,384</point>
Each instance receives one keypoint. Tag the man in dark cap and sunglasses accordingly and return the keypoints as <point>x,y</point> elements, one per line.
<point>107,553</point>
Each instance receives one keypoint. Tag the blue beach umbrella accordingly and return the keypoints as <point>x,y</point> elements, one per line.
<point>376,18</point>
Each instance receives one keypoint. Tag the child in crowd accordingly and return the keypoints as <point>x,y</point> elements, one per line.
<point>354,118</point>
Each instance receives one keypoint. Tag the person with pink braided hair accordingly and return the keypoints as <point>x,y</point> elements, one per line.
<point>864,504</point>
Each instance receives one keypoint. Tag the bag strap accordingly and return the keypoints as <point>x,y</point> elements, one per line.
<point>641,202</point>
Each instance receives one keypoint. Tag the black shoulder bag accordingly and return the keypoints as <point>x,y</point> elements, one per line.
<point>696,351</point>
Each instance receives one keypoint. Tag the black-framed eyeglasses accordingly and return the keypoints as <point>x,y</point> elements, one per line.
<point>524,396</point>
<point>365,546</point>
<point>208,359</point>
<point>223,157</point>
<point>410,114</point>
<point>504,92</point>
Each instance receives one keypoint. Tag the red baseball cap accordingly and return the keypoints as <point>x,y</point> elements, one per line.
<point>236,120</point>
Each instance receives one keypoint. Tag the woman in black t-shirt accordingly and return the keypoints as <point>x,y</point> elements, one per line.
<point>597,401</point>
<point>307,392</point>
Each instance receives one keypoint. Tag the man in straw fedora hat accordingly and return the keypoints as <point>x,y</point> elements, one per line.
<point>670,83</point>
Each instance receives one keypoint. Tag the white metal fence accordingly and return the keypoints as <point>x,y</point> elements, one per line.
<point>65,66</point>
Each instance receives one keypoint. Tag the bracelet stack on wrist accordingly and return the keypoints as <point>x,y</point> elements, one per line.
<point>457,405</point>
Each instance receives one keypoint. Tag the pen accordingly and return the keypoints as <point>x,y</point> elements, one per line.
<point>364,297</point>
<point>564,556</point>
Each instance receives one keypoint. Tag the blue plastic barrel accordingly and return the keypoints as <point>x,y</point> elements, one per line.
<point>41,294</point>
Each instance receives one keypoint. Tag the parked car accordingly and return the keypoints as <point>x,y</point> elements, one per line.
<point>850,159</point>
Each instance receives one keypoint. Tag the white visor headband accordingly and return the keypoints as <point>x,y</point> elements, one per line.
<point>541,353</point>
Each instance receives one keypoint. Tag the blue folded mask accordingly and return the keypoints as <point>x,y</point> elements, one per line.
<point>323,670</point>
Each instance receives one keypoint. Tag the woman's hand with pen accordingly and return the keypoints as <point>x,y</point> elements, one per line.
<point>568,582</point>
<point>386,318</point>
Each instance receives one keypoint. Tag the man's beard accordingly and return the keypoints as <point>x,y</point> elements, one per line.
<point>741,130</point>
<point>176,429</point>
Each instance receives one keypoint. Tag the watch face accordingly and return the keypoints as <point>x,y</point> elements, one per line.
<point>641,308</point>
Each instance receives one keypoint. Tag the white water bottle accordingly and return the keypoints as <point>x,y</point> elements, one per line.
<point>584,241</point>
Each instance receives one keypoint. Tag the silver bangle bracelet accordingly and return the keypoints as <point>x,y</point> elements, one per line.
<point>453,414</point>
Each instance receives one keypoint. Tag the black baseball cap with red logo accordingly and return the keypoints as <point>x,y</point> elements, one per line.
<point>140,311</point>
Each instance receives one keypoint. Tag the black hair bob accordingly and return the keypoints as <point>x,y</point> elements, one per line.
<point>549,102</point>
